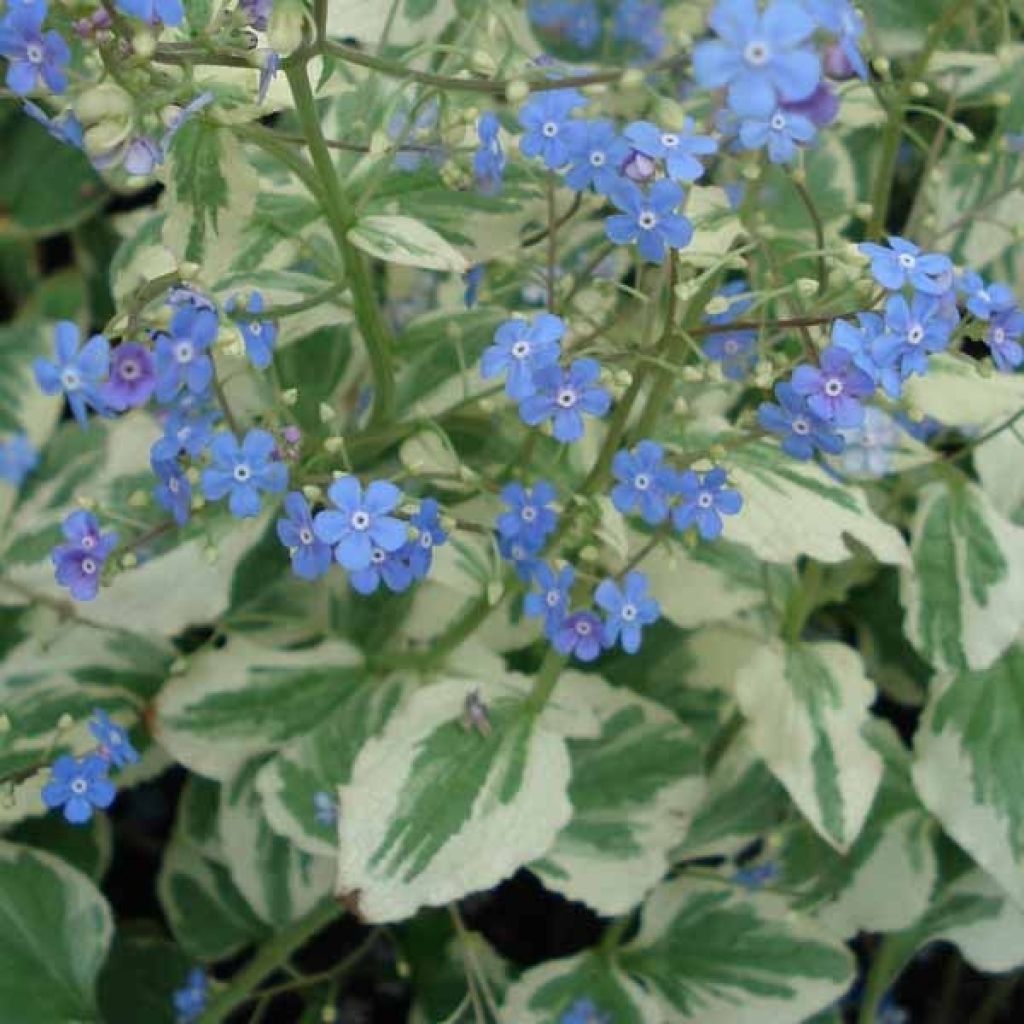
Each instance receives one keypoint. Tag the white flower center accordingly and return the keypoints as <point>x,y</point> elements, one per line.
<point>907,262</point>
<point>549,129</point>
<point>583,627</point>
<point>529,513</point>
<point>801,426</point>
<point>70,380</point>
<point>378,557</point>
<point>88,542</point>
<point>79,787</point>
<point>426,539</point>
<point>129,369</point>
<point>360,520</point>
<point>552,598</point>
<point>88,566</point>
<point>833,387</point>
<point>670,140</point>
<point>184,351</point>
<point>521,349</point>
<point>305,535</point>
<point>641,481</point>
<point>598,159</point>
<point>998,335</point>
<point>757,53</point>
<point>628,612</point>
<point>242,473</point>
<point>731,346</point>
<point>173,485</point>
<point>705,499</point>
<point>778,122</point>
<point>647,220</point>
<point>915,335</point>
<point>34,52</point>
<point>566,398</point>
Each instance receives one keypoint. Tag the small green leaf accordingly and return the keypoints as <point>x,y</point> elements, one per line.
<point>410,242</point>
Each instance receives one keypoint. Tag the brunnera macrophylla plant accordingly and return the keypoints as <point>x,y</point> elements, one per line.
<point>571,439</point>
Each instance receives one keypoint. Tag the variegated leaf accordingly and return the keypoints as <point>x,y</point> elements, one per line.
<point>404,240</point>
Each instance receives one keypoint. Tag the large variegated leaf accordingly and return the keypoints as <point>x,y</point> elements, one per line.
<point>404,240</point>
<point>956,393</point>
<point>807,706</point>
<point>435,810</point>
<point>140,978</point>
<point>242,699</point>
<point>55,930</point>
<point>964,599</point>
<point>713,954</point>
<point>998,462</point>
<point>792,508</point>
<point>634,788</point>
<point>968,766</point>
<point>411,22</point>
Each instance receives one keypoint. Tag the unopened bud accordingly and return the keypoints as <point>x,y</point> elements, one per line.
<point>333,445</point>
<point>516,92</point>
<point>882,66</point>
<point>5,723</point>
<point>718,305</point>
<point>495,591</point>
<point>188,271</point>
<point>286,26</point>
<point>962,133</point>
<point>65,722</point>
<point>102,102</point>
<point>144,43</point>
<point>290,396</point>
<point>84,501</point>
<point>129,560</point>
<point>919,90</point>
<point>138,499</point>
<point>680,406</point>
<point>717,452</point>
<point>312,492</point>
<point>326,412</point>
<point>807,287</point>
<point>633,78</point>
<point>178,666</point>
<point>589,553</point>
<point>715,373</point>
<point>693,374</point>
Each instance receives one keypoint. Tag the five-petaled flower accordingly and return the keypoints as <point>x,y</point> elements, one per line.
<point>564,396</point>
<point>241,472</point>
<point>258,335</point>
<point>651,219</point>
<point>678,149</point>
<point>704,500</point>
<point>182,358</point>
<point>79,785</point>
<point>802,432</point>
<point>78,563</point>
<point>643,482</point>
<point>114,744</point>
<point>311,557</point>
<point>545,118</point>
<point>901,263</point>
<point>35,58</point>
<point>627,610</point>
<point>80,373</point>
<point>834,390</point>
<point>521,348</point>
<point>361,522</point>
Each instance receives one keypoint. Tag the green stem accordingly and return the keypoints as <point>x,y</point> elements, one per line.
<point>819,233</point>
<point>340,219</point>
<point>547,678</point>
<point>268,959</point>
<point>888,961</point>
<point>802,603</point>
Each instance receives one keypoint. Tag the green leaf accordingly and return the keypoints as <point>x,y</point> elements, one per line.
<point>997,462</point>
<point>139,979</point>
<point>435,810</point>
<point>88,847</point>
<point>967,764</point>
<point>634,787</point>
<point>365,20</point>
<point>403,240</point>
<point>713,954</point>
<point>55,929</point>
<point>964,600</point>
<point>956,393</point>
<point>807,706</point>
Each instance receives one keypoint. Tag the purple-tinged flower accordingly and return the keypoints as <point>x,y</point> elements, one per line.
<point>1003,340</point>
<point>627,610</point>
<point>639,168</point>
<point>259,336</point>
<point>35,58</point>
<point>651,219</point>
<point>473,278</point>
<point>740,300</point>
<point>489,159</point>
<point>643,482</point>
<point>361,522</point>
<point>524,561</point>
<point>736,350</point>
<point>311,557</point>
<point>861,341</point>
<point>834,389</point>
<point>186,295</point>
<point>388,567</point>
<point>639,21</point>
<point>182,358</point>
<point>422,131</point>
<point>178,120</point>
<point>242,472</point>
<point>18,457</point>
<point>580,634</point>
<point>78,563</point>
<point>801,431</point>
<point>985,300</point>
<point>840,18</point>
<point>760,56</point>
<point>79,785</point>
<point>430,534</point>
<point>66,128</point>
<point>257,13</point>
<point>172,490</point>
<point>154,12</point>
<point>325,809</point>
<point>268,72</point>
<point>522,348</point>
<point>550,601</point>
<point>902,262</point>
<point>679,150</point>
<point>545,118</point>
<point>781,134</point>
<point>115,746</point>
<point>529,516</point>
<point>821,108</point>
<point>564,396</point>
<point>596,152</point>
<point>190,1000</point>
<point>132,377</point>
<point>578,20</point>
<point>913,331</point>
<point>142,156</point>
<point>79,373</point>
<point>704,499</point>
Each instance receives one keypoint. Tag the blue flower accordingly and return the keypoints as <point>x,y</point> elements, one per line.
<point>833,390</point>
<point>155,12</point>
<point>259,335</point>
<point>389,567</point>
<point>579,634</point>
<point>757,876</point>
<point>651,219</point>
<point>132,377</point>
<point>419,552</point>
<point>190,999</point>
<point>489,159</point>
<point>78,785</point>
<point>861,341</point>
<point>181,357</point>
<point>18,458</point>
<point>912,332</point>
<point>639,21</point>
<point>78,563</point>
<point>520,349</point>
<point>115,746</point>
<point>268,72</point>
<point>627,610</point>
<point>584,1011</point>
<point>524,561</point>
<point>704,499</point>
<point>550,601</point>
<point>173,491</point>
<point>529,517</point>
<point>360,523</point>
<point>801,431</point>
<point>679,150</point>
<point>325,809</point>
<point>188,428</point>
<point>902,262</point>
<point>473,278</point>
<point>841,19</point>
<point>596,153</point>
<point>257,13</point>
<point>66,128</point>
<point>79,373</point>
<point>311,557</point>
<point>740,301</point>
<point>782,133</point>
<point>35,58</point>
<point>423,131</point>
<point>579,20</point>
<point>241,472</point>
<point>545,117</point>
<point>643,482</point>
<point>563,396</point>
<point>736,350</point>
<point>760,55</point>
<point>869,448</point>
<point>985,300</point>
<point>1003,340</point>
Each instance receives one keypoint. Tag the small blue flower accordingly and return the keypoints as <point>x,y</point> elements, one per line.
<point>35,58</point>
<point>757,876</point>
<point>474,277</point>
<point>311,557</point>
<point>79,373</point>
<point>903,263</point>
<point>627,610</point>
<point>782,134</point>
<point>584,1011</point>
<point>704,499</point>
<point>736,351</point>
<point>578,20</point>
<point>529,518</point>
<point>760,56</point>
<point>489,159</point>
<point>520,349</point>
<point>639,21</point>
<point>188,428</point>
<point>360,523</point>
<point>325,809</point>
<point>596,154</point>
<point>66,128</point>
<point>257,13</point>
<point>679,150</point>
<point>190,1000</point>
<point>579,634</point>
<point>834,390</point>
<point>154,12</point>
<point>79,785</point>
<point>78,563</point>
<point>173,491</point>
<point>241,472</point>
<point>985,300</point>
<point>841,19</point>
<point>18,458</point>
<point>524,561</point>
<point>259,335</point>
<point>912,333</point>
<point>801,431</point>
<point>422,131</point>
<point>268,72</point>
<point>419,552</point>
<point>181,356</point>
<point>861,341</point>
<point>132,377</point>
<point>545,117</point>
<point>550,601</point>
<point>869,448</point>
<point>643,482</point>
<point>388,567</point>
<point>651,219</point>
<point>115,746</point>
<point>564,396</point>
<point>1003,340</point>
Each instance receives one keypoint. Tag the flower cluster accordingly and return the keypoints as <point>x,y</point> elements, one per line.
<point>78,562</point>
<point>190,1000</point>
